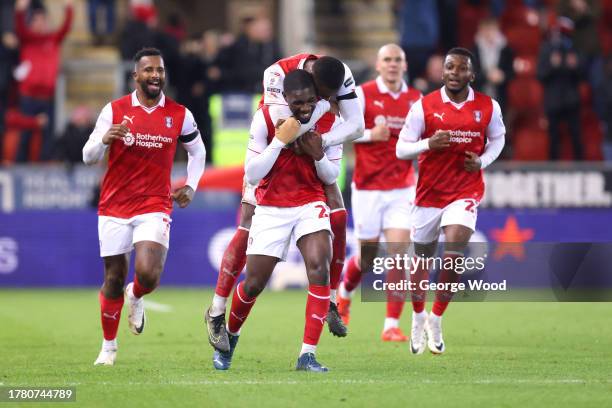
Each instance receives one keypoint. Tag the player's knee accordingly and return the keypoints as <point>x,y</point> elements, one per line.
<point>318,272</point>
<point>252,288</point>
<point>147,273</point>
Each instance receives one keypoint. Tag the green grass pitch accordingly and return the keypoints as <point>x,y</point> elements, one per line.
<point>498,355</point>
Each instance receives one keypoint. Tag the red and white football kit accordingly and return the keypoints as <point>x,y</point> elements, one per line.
<point>446,193</point>
<point>290,194</point>
<point>383,185</point>
<point>135,202</point>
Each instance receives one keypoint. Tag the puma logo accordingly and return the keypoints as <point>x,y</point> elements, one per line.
<point>129,118</point>
<point>380,104</point>
<point>109,316</point>
<point>321,318</point>
<point>439,116</point>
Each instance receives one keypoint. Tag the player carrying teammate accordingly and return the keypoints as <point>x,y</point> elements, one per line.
<point>332,79</point>
<point>383,186</point>
<point>455,132</point>
<point>290,202</point>
<point>142,130</point>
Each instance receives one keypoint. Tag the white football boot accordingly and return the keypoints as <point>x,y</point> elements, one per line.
<point>417,333</point>
<point>433,327</point>
<point>136,316</point>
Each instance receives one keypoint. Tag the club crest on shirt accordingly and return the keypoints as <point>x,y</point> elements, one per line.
<point>128,139</point>
<point>380,120</point>
<point>168,121</point>
<point>477,116</point>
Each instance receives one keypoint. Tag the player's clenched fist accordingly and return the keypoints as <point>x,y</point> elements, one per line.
<point>472,162</point>
<point>380,133</point>
<point>287,132</point>
<point>183,196</point>
<point>116,132</point>
<point>440,140</point>
<point>311,143</point>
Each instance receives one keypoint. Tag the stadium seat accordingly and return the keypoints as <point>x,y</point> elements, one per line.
<point>530,143</point>
<point>525,94</point>
<point>524,40</point>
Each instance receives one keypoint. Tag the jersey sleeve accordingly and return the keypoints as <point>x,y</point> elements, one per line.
<point>496,127</point>
<point>189,130</point>
<point>94,149</point>
<point>347,89</point>
<point>410,144</point>
<point>273,85</point>
<point>258,134</point>
<point>260,156</point>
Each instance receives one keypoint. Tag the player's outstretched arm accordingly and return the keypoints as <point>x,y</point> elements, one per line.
<point>283,112</point>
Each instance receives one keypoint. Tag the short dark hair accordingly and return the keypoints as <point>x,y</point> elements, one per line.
<point>147,52</point>
<point>329,72</point>
<point>462,51</point>
<point>298,79</point>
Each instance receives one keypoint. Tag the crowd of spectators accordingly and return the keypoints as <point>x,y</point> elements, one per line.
<point>547,62</point>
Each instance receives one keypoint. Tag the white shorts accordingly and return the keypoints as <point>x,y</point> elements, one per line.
<point>273,227</point>
<point>248,193</point>
<point>118,235</point>
<point>377,210</point>
<point>427,221</point>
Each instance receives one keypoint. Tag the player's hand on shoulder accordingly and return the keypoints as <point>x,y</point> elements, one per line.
<point>116,132</point>
<point>380,133</point>
<point>311,143</point>
<point>183,196</point>
<point>472,162</point>
<point>287,131</point>
<point>440,140</point>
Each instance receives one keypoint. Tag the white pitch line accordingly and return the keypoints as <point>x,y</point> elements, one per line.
<point>157,307</point>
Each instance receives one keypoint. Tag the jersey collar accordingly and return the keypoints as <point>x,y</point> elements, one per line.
<point>136,102</point>
<point>382,88</point>
<point>446,99</point>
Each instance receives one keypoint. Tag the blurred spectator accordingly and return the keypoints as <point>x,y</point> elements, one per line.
<point>242,64</point>
<point>142,30</point>
<point>494,61</point>
<point>433,75</point>
<point>585,15</point>
<point>38,68</point>
<point>194,87</point>
<point>8,55</point>
<point>69,148</point>
<point>175,27</point>
<point>559,71</point>
<point>419,33</point>
<point>447,15</point>
<point>7,15</point>
<point>94,6</point>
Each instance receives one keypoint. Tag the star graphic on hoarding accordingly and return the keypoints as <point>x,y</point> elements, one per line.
<point>511,239</point>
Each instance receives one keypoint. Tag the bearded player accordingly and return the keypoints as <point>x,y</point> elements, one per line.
<point>383,186</point>
<point>290,203</point>
<point>456,133</point>
<point>141,131</point>
<point>333,79</point>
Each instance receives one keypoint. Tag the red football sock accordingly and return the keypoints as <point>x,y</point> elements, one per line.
<point>317,305</point>
<point>241,307</point>
<point>232,263</point>
<point>138,290</point>
<point>352,276</point>
<point>395,298</point>
<point>110,313</point>
<point>418,295</point>
<point>338,226</point>
<point>447,275</point>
